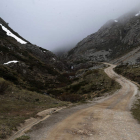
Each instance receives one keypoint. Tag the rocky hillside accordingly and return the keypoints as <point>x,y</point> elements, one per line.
<point>114,39</point>
<point>25,64</point>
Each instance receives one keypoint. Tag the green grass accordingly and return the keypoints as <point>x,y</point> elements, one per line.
<point>23,138</point>
<point>16,105</point>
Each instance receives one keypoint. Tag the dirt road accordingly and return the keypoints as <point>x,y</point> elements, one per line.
<point>108,120</point>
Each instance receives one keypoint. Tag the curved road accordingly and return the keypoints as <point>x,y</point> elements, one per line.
<point>107,120</point>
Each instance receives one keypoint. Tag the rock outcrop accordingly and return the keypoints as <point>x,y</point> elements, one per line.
<point>115,38</point>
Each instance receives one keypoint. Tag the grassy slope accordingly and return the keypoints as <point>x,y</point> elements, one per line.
<point>16,105</point>
<point>132,73</point>
<point>24,137</point>
<point>93,83</point>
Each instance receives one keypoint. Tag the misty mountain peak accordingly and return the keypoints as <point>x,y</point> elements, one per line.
<point>119,36</point>
<point>137,14</point>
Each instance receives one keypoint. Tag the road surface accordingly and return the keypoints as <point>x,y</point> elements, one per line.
<point>108,120</point>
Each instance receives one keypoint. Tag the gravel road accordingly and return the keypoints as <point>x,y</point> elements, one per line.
<point>107,119</point>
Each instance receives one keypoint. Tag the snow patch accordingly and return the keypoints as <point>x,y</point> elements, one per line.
<point>12,35</point>
<point>116,20</point>
<point>14,61</point>
<point>137,14</point>
<point>54,59</point>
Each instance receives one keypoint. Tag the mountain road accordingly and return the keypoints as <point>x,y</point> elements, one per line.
<point>107,120</point>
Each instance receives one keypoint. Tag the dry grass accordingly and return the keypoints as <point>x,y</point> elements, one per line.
<point>17,105</point>
<point>4,87</point>
<point>23,138</point>
<point>136,110</point>
<point>133,73</point>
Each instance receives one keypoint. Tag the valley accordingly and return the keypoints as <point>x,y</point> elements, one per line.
<point>107,118</point>
<point>90,92</point>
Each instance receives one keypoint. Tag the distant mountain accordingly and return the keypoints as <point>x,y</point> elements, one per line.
<point>27,65</point>
<point>114,39</point>
<point>35,68</point>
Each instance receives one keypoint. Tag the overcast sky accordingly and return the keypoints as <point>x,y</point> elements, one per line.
<point>54,24</point>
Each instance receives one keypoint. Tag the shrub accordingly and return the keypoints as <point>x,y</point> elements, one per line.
<point>23,138</point>
<point>38,85</point>
<point>55,92</point>
<point>4,86</point>
<point>76,87</point>
<point>88,73</point>
<point>112,82</point>
<point>96,71</point>
<point>63,78</point>
<point>71,97</point>
<point>8,74</point>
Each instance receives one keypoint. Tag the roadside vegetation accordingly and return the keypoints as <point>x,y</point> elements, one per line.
<point>92,83</point>
<point>23,138</point>
<point>16,105</point>
<point>136,110</point>
<point>131,72</point>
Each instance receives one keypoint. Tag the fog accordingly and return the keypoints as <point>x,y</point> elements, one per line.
<point>57,24</point>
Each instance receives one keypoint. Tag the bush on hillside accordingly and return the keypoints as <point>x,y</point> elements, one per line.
<point>23,138</point>
<point>4,86</point>
<point>71,97</point>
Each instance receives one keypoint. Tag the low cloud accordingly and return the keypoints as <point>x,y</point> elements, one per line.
<point>55,24</point>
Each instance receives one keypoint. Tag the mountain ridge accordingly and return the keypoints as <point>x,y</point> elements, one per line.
<point>37,68</point>
<point>77,76</point>
<point>115,38</point>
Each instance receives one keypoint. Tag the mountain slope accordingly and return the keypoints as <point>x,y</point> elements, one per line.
<point>36,68</point>
<point>112,40</point>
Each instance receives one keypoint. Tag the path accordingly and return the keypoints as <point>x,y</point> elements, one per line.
<point>108,120</point>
